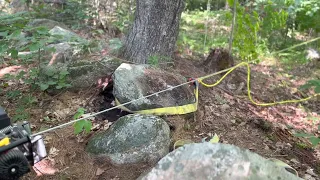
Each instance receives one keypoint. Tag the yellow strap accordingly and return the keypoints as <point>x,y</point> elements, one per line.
<point>184,109</point>
<point>249,89</point>
<point>4,142</point>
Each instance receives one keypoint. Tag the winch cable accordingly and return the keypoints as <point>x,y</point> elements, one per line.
<point>200,80</point>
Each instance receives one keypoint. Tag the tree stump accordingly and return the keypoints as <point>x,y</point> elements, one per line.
<point>218,60</point>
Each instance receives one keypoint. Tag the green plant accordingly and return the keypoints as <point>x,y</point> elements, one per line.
<point>315,84</point>
<point>20,114</point>
<point>195,37</point>
<point>315,140</point>
<point>153,60</point>
<point>81,125</point>
<point>24,103</point>
<point>156,60</point>
<point>115,45</point>
<point>307,14</point>
<point>14,94</point>
<point>246,34</point>
<point>53,78</point>
<point>123,19</point>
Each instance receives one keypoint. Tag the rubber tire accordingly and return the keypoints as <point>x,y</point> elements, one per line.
<point>13,158</point>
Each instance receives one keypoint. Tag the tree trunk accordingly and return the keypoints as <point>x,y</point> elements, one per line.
<point>154,31</point>
<point>226,7</point>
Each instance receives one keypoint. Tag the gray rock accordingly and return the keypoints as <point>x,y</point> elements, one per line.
<point>308,177</point>
<point>50,24</point>
<point>18,6</point>
<point>216,161</point>
<point>311,172</point>
<point>83,74</point>
<point>133,138</point>
<point>64,35</point>
<point>63,52</point>
<point>135,81</point>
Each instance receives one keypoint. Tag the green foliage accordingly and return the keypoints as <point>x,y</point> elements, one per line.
<point>307,14</point>
<point>82,125</point>
<point>156,60</point>
<point>20,114</point>
<point>246,33</point>
<point>15,94</point>
<point>153,60</point>
<point>315,140</point>
<point>53,77</point>
<point>25,102</point>
<point>192,5</point>
<point>14,41</point>
<point>123,19</point>
<point>115,45</point>
<point>73,12</point>
<point>195,37</point>
<point>312,84</point>
<point>259,26</point>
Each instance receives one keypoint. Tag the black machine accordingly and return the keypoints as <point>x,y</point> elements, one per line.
<point>18,149</point>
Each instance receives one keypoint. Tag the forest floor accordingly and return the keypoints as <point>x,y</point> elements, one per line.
<point>224,111</point>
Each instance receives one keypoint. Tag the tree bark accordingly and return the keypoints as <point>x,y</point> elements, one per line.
<point>154,31</point>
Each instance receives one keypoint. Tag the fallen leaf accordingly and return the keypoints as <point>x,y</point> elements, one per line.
<point>215,139</point>
<point>99,171</point>
<point>44,167</point>
<point>181,142</point>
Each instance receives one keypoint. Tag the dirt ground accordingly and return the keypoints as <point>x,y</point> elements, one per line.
<point>224,110</point>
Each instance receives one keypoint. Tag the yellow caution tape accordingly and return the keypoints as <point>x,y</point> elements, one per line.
<point>4,142</point>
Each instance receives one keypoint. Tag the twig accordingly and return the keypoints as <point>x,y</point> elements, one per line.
<point>279,155</point>
<point>233,24</point>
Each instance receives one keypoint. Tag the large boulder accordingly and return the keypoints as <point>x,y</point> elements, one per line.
<point>64,35</point>
<point>83,74</point>
<point>63,52</point>
<point>18,6</point>
<point>216,161</point>
<point>133,138</point>
<point>48,23</point>
<point>135,81</point>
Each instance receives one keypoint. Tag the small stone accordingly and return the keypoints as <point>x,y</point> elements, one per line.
<point>225,107</point>
<point>233,121</point>
<point>310,171</point>
<point>288,145</point>
<point>266,147</point>
<point>243,123</point>
<point>280,145</point>
<point>294,161</point>
<point>308,177</point>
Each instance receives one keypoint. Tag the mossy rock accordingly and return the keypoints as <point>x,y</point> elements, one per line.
<point>133,138</point>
